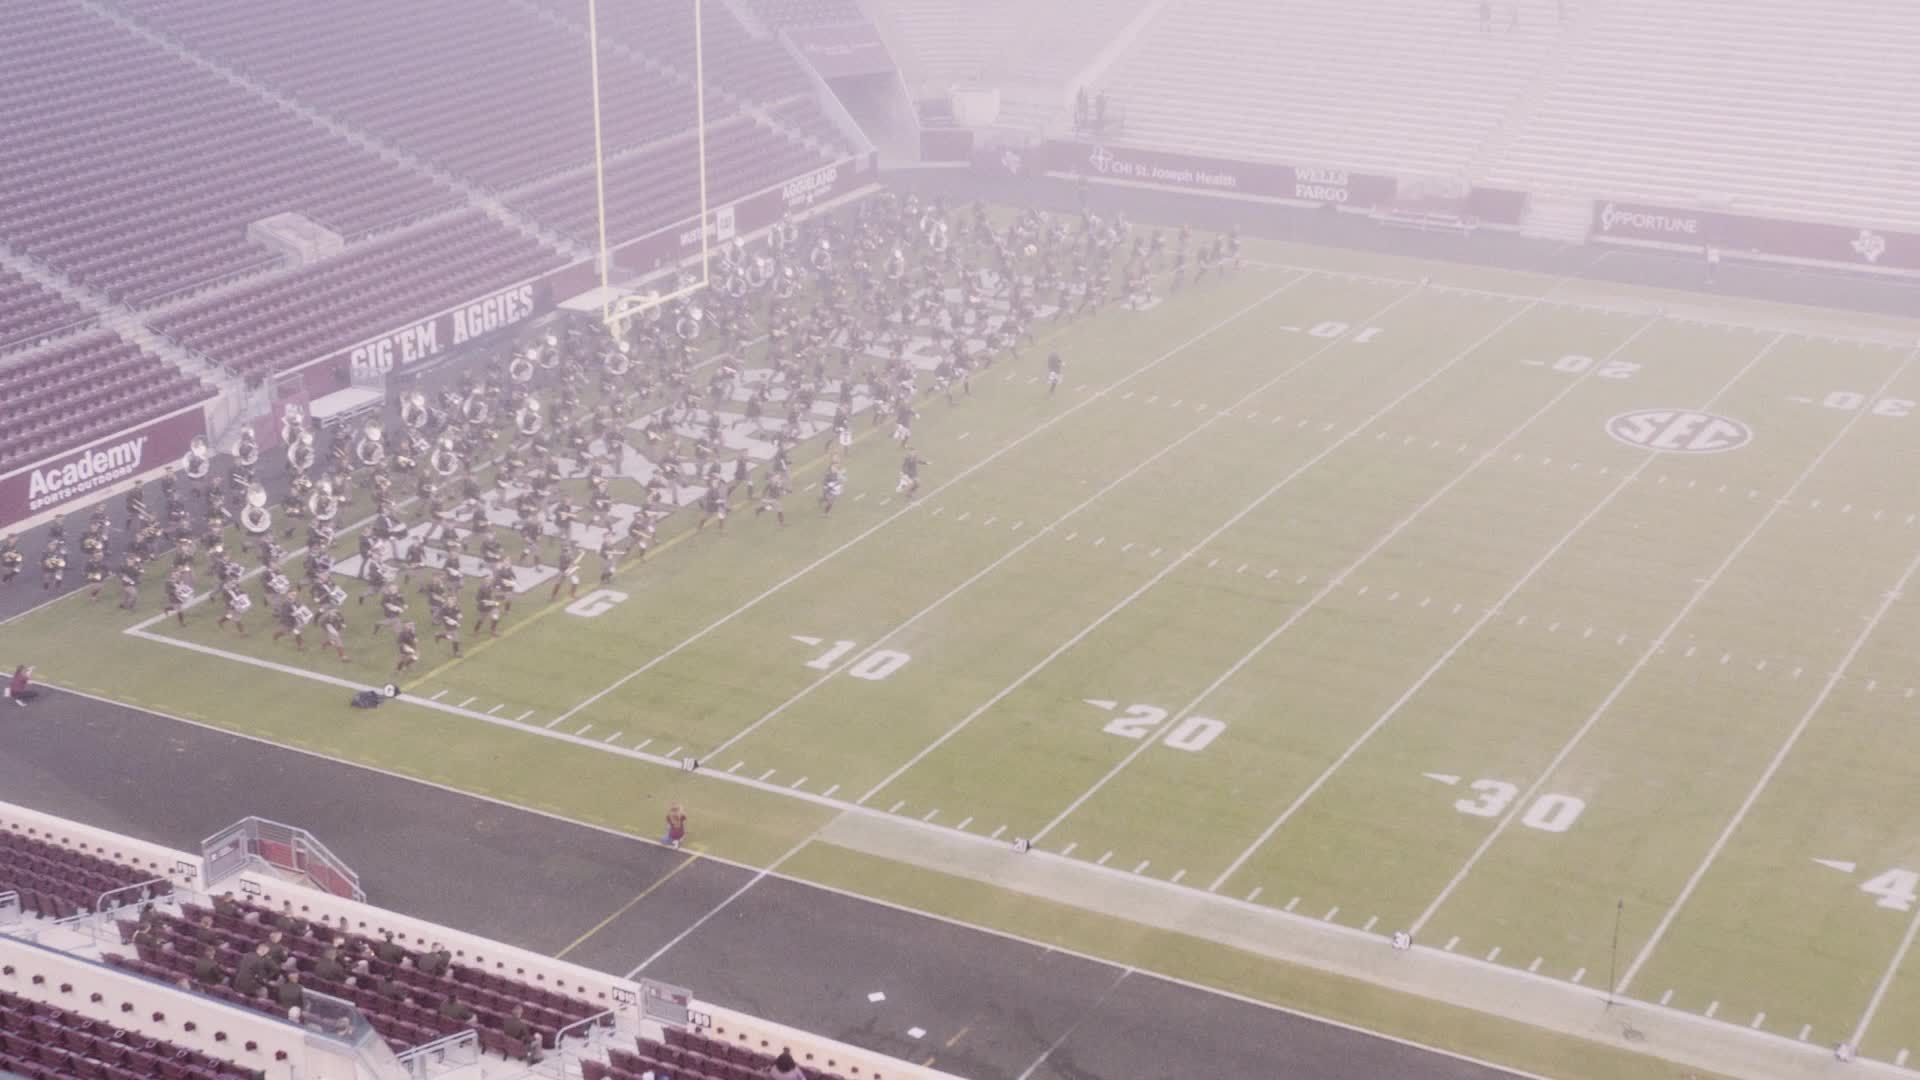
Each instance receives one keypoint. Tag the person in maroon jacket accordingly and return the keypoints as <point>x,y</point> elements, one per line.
<point>20,688</point>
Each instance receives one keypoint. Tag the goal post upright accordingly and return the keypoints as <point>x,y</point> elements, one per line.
<point>617,309</point>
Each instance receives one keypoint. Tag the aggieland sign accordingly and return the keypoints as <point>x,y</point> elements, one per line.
<point>92,469</point>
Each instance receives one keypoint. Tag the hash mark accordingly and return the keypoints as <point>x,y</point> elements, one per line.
<point>963,824</point>
<point>930,813</point>
<point>613,736</point>
<point>1807,1029</point>
<point>1899,1060</point>
<point>1301,580</point>
<point>990,520</point>
<point>1371,919</point>
<point>1712,1008</point>
<point>736,767</point>
<point>1871,683</point>
<point>1213,562</point>
<point>1070,537</point>
<point>996,833</point>
<point>1331,912</point>
<point>1724,657</point>
<point>464,704</point>
<point>437,695</point>
<point>1126,547</point>
<point>1535,966</point>
<point>1291,904</point>
<point>1456,609</point>
<point>1100,541</point>
<point>1016,525</point>
<point>1553,628</point>
<point>1155,553</point>
<point>496,708</point>
<point>1451,942</point>
<point>522,718</point>
<point>1758,1019</point>
<point>583,731</point>
<point>795,786</point>
<point>1242,570</point>
<point>764,775</point>
<point>895,808</point>
<point>1579,974</point>
<point>643,744</point>
<point>1666,997</point>
<point>1254,895</point>
<point>1102,860</point>
<point>1177,875</point>
<point>1272,572</point>
<point>1068,850</point>
<point>964,516</point>
<point>1392,598</point>
<point>1691,649</point>
<point>1494,954</point>
<point>1425,600</point>
<point>861,495</point>
<point>673,753</point>
<point>1586,634</point>
<point>1141,867</point>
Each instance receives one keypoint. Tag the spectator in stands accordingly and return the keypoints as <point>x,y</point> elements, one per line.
<point>251,976</point>
<point>389,950</point>
<point>784,1067</point>
<point>20,689</point>
<point>206,970</point>
<point>225,904</point>
<point>394,989</point>
<point>435,961</point>
<point>288,993</point>
<point>277,949</point>
<point>453,1010</point>
<point>290,923</point>
<point>517,1029</point>
<point>204,931</point>
<point>328,967</point>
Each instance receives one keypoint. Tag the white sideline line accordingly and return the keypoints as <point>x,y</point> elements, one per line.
<point>1338,580</point>
<point>1180,559</point>
<point>955,479</point>
<point>1473,630</point>
<point>1646,656</point>
<point>1760,786</point>
<point>1033,538</point>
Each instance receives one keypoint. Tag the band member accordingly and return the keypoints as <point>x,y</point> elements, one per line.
<point>236,602</point>
<point>487,602</point>
<point>778,484</point>
<point>131,569</point>
<point>713,507</point>
<point>609,559</point>
<point>179,591</point>
<point>910,473</point>
<point>408,640</point>
<point>447,615</point>
<point>96,571</point>
<point>1056,368</point>
<point>393,607</point>
<point>569,576</point>
<point>333,622</point>
<point>831,486</point>
<point>10,559</point>
<point>293,617</point>
<point>53,564</point>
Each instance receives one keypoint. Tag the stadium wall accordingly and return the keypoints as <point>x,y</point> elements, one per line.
<point>1753,237</point>
<point>72,479</point>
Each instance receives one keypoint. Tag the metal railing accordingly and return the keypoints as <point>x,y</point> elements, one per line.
<point>592,1031</point>
<point>456,1051</point>
<point>10,911</point>
<point>284,847</point>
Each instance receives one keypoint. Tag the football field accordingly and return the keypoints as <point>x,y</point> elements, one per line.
<point>1503,617</point>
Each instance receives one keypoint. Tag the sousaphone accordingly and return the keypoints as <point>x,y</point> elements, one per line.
<point>199,459</point>
<point>370,450</point>
<point>445,458</point>
<point>323,504</point>
<point>413,409</point>
<point>248,452</point>
<point>255,518</point>
<point>527,419</point>
<point>300,455</point>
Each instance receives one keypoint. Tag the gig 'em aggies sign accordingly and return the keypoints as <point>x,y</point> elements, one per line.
<point>93,469</point>
<point>429,337</point>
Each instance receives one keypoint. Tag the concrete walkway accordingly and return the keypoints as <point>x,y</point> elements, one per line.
<point>1678,1037</point>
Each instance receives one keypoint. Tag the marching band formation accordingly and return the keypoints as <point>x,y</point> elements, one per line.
<point>876,308</point>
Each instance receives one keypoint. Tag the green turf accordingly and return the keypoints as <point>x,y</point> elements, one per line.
<point>1313,539</point>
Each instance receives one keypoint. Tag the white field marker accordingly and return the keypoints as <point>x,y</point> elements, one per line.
<point>1331,912</point>
<point>1535,966</point>
<point>928,816</point>
<point>828,794</point>
<point>765,775</point>
<point>735,767</point>
<point>1451,942</point>
<point>522,718</point>
<point>1666,997</point>
<point>1579,974</point>
<point>1068,850</point>
<point>583,731</point>
<point>995,835</point>
<point>1371,919</point>
<point>1255,894</point>
<point>437,695</point>
<point>1141,869</point>
<point>795,786</point>
<point>466,703</point>
<point>1291,904</point>
<point>1102,860</point>
<point>1712,1007</point>
<point>1758,1019</point>
<point>895,808</point>
<point>1493,954</point>
<point>1177,875</point>
<point>613,736</point>
<point>496,708</point>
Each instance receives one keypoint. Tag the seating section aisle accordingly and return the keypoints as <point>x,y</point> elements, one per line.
<point>1775,105</point>
<point>41,1042</point>
<point>481,88</point>
<point>136,174</point>
<point>780,13</point>
<point>70,393</point>
<point>735,61</point>
<point>660,185</point>
<point>1007,40</point>
<point>1392,86</point>
<point>688,1055</point>
<point>29,313</point>
<point>410,998</point>
<point>57,882</point>
<point>321,309</point>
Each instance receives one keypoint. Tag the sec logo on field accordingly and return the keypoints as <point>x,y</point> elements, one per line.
<point>1679,431</point>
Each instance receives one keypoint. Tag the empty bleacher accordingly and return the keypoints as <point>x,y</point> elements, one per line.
<point>1769,105</point>
<point>320,309</point>
<point>480,88</point>
<point>69,393</point>
<point>1003,41</point>
<point>43,1042</point>
<point>736,62</point>
<point>781,13</point>
<point>1392,86</point>
<point>58,882</point>
<point>29,312</point>
<point>136,174</point>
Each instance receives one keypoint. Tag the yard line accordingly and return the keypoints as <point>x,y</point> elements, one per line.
<point>1473,630</point>
<point>1339,579</point>
<point>1180,559</point>
<point>1646,656</point>
<point>1033,538</point>
<point>955,479</point>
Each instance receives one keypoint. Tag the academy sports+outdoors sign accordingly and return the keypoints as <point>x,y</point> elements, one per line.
<point>1747,234</point>
<point>92,469</point>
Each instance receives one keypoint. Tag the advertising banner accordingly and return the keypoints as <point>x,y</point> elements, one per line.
<point>1738,234</point>
<point>837,52</point>
<point>1222,176</point>
<point>97,467</point>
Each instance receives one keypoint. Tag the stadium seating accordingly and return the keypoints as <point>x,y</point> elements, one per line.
<point>735,61</point>
<point>55,882</point>
<point>781,13</point>
<point>1392,86</point>
<point>30,313</point>
<point>42,1042</point>
<point>77,390</point>
<point>1011,40</point>
<point>318,310</point>
<point>480,88</point>
<point>688,1055</point>
<point>136,174</point>
<point>659,186</point>
<point>1801,109</point>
